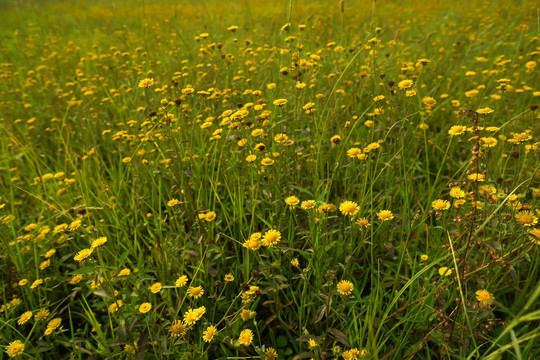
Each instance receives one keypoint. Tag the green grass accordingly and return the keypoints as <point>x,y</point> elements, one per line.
<point>83,142</point>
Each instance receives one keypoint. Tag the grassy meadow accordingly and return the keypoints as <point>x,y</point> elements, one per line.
<point>283,179</point>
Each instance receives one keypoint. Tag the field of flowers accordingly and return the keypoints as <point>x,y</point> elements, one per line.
<point>284,179</point>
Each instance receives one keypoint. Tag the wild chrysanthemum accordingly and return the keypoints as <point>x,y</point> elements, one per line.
<point>292,201</point>
<point>172,202</point>
<point>146,83</point>
<point>41,314</point>
<point>54,324</point>
<point>178,328</point>
<point>457,130</point>
<point>145,307</point>
<point>457,193</point>
<point>308,204</point>
<point>477,177</point>
<point>405,84</point>
<point>385,215</point>
<point>444,271</point>
<point>23,319</point>
<point>99,241</point>
<point>15,348</point>
<point>440,204</point>
<point>345,287</point>
<point>363,223</point>
<point>156,287</point>
<point>246,337</point>
<point>124,272</point>
<point>181,281</point>
<point>115,306</point>
<point>83,254</point>
<point>36,283</point>
<point>209,333</point>
<point>195,291</point>
<point>488,141</point>
<point>210,216</point>
<point>484,296</point>
<point>280,102</point>
<point>535,236</point>
<point>484,111</point>
<point>349,208</point>
<point>526,218</point>
<point>271,238</point>
<point>271,354</point>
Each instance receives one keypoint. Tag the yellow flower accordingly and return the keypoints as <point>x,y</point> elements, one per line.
<point>229,277</point>
<point>193,315</point>
<point>247,314</point>
<point>209,333</point>
<point>456,192</point>
<point>440,204</point>
<point>535,236</point>
<point>195,292</point>
<point>280,102</point>
<point>210,216</point>
<point>271,238</point>
<point>405,84</point>
<point>526,218</point>
<point>53,324</point>
<point>295,262</point>
<point>353,152</point>
<point>424,257</point>
<point>251,158</point>
<point>349,208</point>
<point>457,130</point>
<point>444,271</point>
<point>124,272</point>
<point>267,161</point>
<point>146,83</point>
<point>308,204</point>
<point>76,279</point>
<point>429,101</point>
<point>477,177</point>
<point>75,225</point>
<point>36,283</point>
<point>253,243</point>
<point>41,314</point>
<point>312,343</point>
<point>484,296</point>
<point>345,287</point>
<point>155,288</point>
<point>172,202</point>
<point>488,141</point>
<point>115,306</point>
<point>385,215</point>
<point>363,223</point>
<point>15,348</point>
<point>145,307</point>
<point>271,354</point>
<point>484,111</point>
<point>99,241</point>
<point>178,328</point>
<point>83,254</point>
<point>246,337</point>
<point>24,318</point>
<point>292,201</point>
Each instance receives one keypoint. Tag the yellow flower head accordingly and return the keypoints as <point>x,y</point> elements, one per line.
<point>349,208</point>
<point>345,287</point>
<point>484,296</point>
<point>246,337</point>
